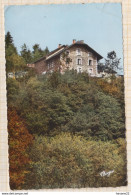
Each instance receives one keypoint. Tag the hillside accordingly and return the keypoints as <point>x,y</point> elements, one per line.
<point>75,123</point>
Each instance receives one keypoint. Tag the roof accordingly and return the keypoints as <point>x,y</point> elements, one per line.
<point>59,51</point>
<point>88,47</point>
<point>62,48</point>
<point>51,53</point>
<point>43,58</point>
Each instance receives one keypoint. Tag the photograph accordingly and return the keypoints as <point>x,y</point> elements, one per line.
<point>65,96</point>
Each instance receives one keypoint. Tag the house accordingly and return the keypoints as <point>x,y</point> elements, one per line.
<point>78,56</point>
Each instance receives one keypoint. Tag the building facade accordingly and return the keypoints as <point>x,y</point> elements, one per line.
<point>78,56</point>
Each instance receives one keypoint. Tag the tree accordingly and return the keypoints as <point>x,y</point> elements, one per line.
<point>38,52</point>
<point>12,91</point>
<point>26,53</point>
<point>67,161</point>
<point>96,114</point>
<point>36,48</point>
<point>46,51</point>
<point>46,108</point>
<point>8,39</point>
<point>19,141</point>
<point>54,79</point>
<point>9,45</point>
<point>14,62</point>
<point>112,62</point>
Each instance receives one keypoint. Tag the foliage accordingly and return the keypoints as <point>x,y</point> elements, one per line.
<point>38,52</point>
<point>112,62</point>
<point>100,117</point>
<point>66,161</point>
<point>14,62</point>
<point>92,116</point>
<point>12,91</point>
<point>26,53</point>
<point>114,89</point>
<point>66,59</point>
<point>8,39</point>
<point>19,141</point>
<point>49,108</point>
<point>71,103</point>
<point>55,79</point>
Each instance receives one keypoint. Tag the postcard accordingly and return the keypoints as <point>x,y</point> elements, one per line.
<point>65,96</point>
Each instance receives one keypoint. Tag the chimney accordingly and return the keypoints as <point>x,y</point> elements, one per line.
<point>82,41</point>
<point>59,45</point>
<point>74,40</point>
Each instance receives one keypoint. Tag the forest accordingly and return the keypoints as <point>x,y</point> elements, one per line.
<point>64,129</point>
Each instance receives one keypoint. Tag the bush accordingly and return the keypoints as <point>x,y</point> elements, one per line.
<point>68,103</point>
<point>67,161</point>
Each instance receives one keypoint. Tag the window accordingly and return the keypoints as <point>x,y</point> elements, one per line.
<point>61,56</point>
<point>95,62</point>
<point>79,70</point>
<point>48,66</point>
<point>67,52</point>
<point>90,62</point>
<point>52,64</point>
<point>67,60</point>
<point>89,54</point>
<point>79,61</point>
<point>78,52</point>
<point>90,70</point>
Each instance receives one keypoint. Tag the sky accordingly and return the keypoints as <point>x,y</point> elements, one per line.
<point>98,24</point>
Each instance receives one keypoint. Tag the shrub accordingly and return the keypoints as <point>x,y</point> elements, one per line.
<point>67,161</point>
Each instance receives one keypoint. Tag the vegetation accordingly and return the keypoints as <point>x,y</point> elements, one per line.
<point>64,130</point>
<point>71,161</point>
<point>18,62</point>
<point>111,64</point>
<point>19,141</point>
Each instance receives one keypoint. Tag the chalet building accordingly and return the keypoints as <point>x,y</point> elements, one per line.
<point>78,56</point>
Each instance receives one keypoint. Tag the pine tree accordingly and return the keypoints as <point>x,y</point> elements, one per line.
<point>8,39</point>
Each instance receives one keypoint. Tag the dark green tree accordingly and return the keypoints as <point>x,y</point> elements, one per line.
<point>14,62</point>
<point>38,53</point>
<point>26,53</point>
<point>9,45</point>
<point>46,51</point>
<point>8,39</point>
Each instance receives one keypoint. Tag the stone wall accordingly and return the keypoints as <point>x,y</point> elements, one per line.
<point>84,56</point>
